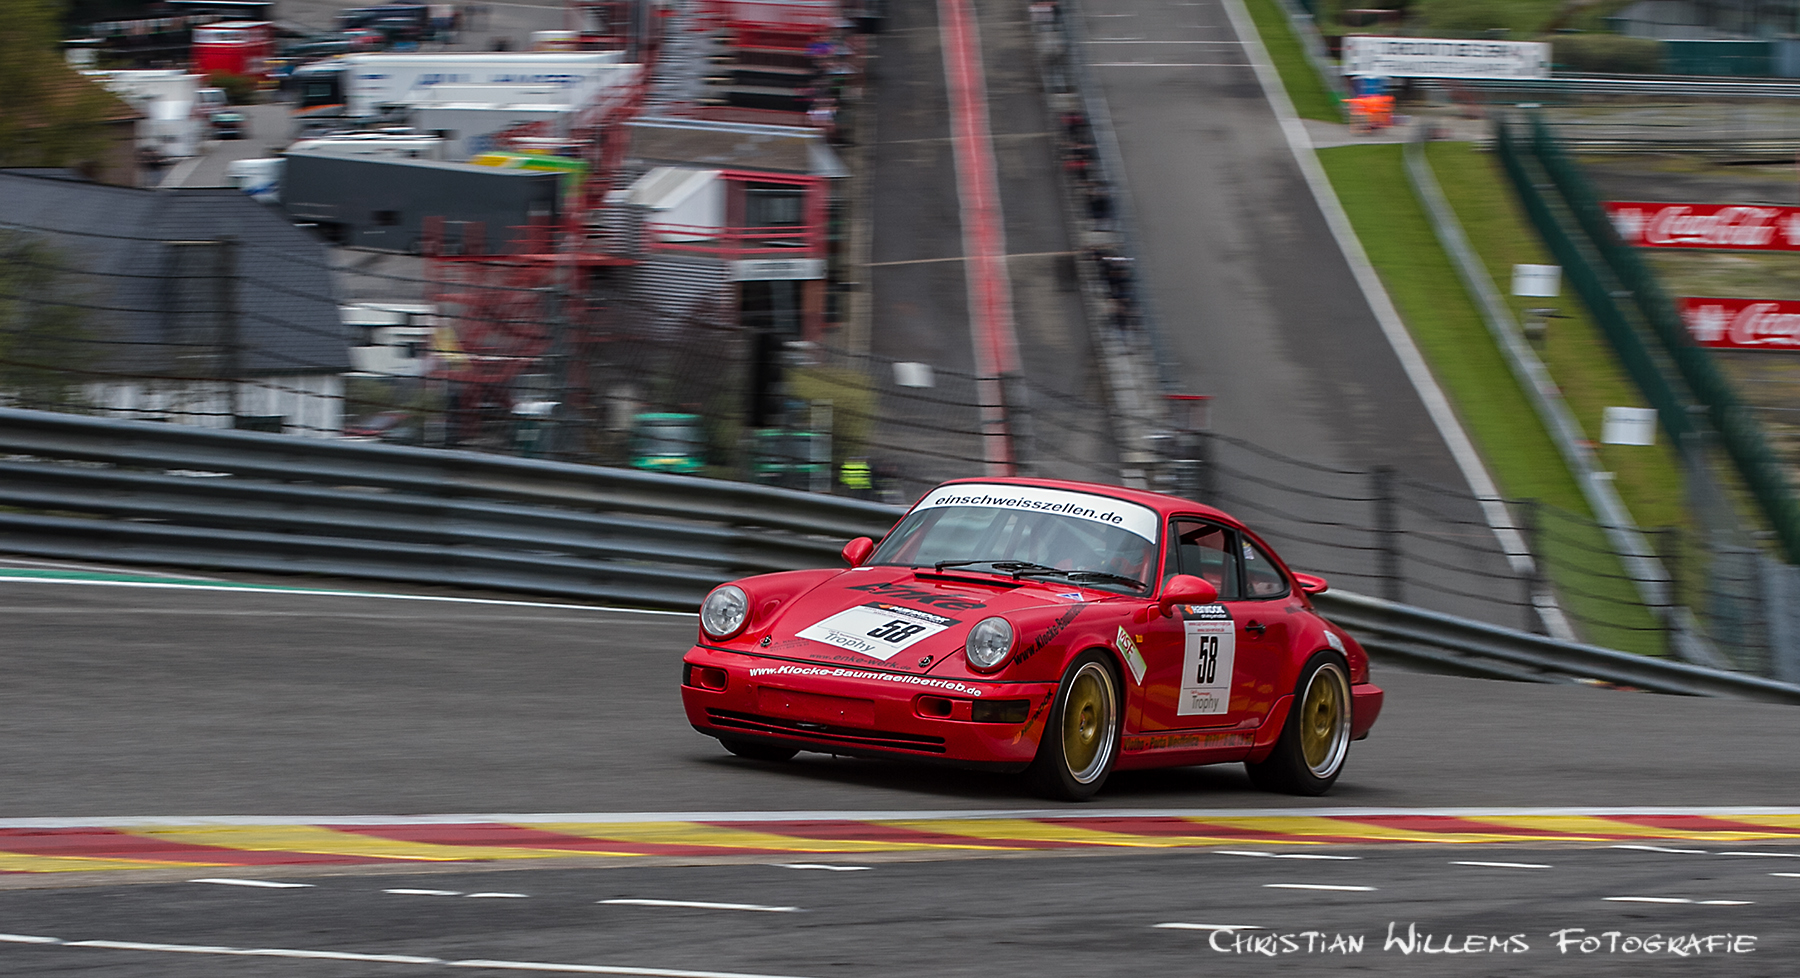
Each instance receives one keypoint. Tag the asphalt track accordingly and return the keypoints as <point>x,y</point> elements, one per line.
<point>131,704</point>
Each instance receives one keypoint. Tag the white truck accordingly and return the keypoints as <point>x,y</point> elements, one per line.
<point>166,97</point>
<point>361,86</point>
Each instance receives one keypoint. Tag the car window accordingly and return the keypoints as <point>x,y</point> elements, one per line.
<point>1204,551</point>
<point>1262,579</point>
<point>982,534</point>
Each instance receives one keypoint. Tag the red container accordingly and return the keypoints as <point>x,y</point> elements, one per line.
<point>237,47</point>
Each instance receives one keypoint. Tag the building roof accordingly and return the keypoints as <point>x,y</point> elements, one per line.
<point>734,146</point>
<point>146,270</point>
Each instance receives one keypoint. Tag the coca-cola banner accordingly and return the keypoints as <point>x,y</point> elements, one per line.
<point>1735,226</point>
<point>1743,324</point>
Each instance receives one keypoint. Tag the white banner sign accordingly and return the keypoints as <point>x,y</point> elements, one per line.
<point>1131,517</point>
<point>1425,57</point>
<point>776,269</point>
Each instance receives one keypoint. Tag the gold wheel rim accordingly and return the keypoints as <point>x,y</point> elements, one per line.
<point>1088,723</point>
<point>1322,727</point>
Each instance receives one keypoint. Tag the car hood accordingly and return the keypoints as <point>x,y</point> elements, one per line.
<point>896,618</point>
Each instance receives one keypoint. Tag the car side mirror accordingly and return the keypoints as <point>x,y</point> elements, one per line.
<point>1186,589</point>
<point>858,550</point>
<point>1311,583</point>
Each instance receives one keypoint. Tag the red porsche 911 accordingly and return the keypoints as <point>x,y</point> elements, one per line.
<point>1062,629</point>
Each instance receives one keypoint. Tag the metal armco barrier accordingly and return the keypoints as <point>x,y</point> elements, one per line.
<point>186,496</point>
<point>98,489</point>
<point>1459,645</point>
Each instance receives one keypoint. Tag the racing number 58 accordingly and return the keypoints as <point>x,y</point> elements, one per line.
<point>1208,666</point>
<point>898,630</point>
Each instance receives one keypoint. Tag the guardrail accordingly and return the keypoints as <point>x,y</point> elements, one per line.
<point>80,487</point>
<point>100,489</point>
<point>1460,645</point>
<point>1687,87</point>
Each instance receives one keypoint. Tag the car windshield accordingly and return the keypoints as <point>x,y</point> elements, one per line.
<point>1028,532</point>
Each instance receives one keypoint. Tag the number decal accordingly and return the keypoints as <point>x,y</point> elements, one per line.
<point>898,630</point>
<point>1206,667</point>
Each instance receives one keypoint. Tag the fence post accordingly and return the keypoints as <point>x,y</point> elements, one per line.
<point>1534,579</point>
<point>1387,533</point>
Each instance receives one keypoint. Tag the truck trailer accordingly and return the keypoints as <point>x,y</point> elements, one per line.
<point>384,203</point>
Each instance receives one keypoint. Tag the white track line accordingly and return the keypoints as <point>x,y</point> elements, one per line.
<point>1279,855</point>
<point>1638,899</point>
<point>829,866</point>
<point>1227,927</point>
<point>1688,852</point>
<point>1788,875</point>
<point>1318,886</point>
<point>271,884</point>
<point>589,969</point>
<point>500,896</point>
<point>698,904</point>
<point>1477,862</point>
<point>1779,855</point>
<point>315,592</point>
<point>410,892</point>
<point>1443,416</point>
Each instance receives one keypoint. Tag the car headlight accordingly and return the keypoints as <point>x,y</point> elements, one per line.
<point>723,612</point>
<point>989,643</point>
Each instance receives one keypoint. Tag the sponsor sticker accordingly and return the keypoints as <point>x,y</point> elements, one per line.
<point>1133,657</point>
<point>1207,660</point>
<point>839,672</point>
<point>1130,517</point>
<point>878,629</point>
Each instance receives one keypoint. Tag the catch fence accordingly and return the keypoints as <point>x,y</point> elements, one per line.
<point>569,377</point>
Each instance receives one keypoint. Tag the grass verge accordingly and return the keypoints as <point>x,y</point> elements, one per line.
<point>1443,320</point>
<point>1577,354</point>
<point>1311,98</point>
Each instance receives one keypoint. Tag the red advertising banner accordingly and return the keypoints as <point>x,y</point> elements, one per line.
<point>1743,324</point>
<point>1738,227</point>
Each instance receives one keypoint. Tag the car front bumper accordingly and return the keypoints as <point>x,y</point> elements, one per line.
<point>848,710</point>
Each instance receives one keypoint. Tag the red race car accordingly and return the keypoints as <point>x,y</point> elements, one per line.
<point>1058,628</point>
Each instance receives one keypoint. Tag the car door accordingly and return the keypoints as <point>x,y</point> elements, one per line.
<point>1261,611</point>
<point>1188,657</point>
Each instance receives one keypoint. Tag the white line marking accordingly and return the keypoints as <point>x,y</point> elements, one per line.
<point>1690,852</point>
<point>271,884</point>
<point>1726,903</point>
<point>591,969</point>
<point>407,892</point>
<point>1181,926</point>
<point>505,896</point>
<point>700,904</point>
<point>1381,305</point>
<point>266,952</point>
<point>601,969</point>
<point>529,818</point>
<point>835,869</point>
<point>1789,875</point>
<point>1279,855</point>
<point>1167,64</point>
<point>1140,40</point>
<point>1780,855</point>
<point>1646,899</point>
<point>1476,862</point>
<point>314,592</point>
<point>1318,886</point>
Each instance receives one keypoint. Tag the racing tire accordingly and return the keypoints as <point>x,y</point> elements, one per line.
<point>1081,736</point>
<point>1316,737</point>
<point>759,752</point>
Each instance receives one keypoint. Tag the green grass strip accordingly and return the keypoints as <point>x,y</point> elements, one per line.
<point>1442,318</point>
<point>1578,356</point>
<point>1311,98</point>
